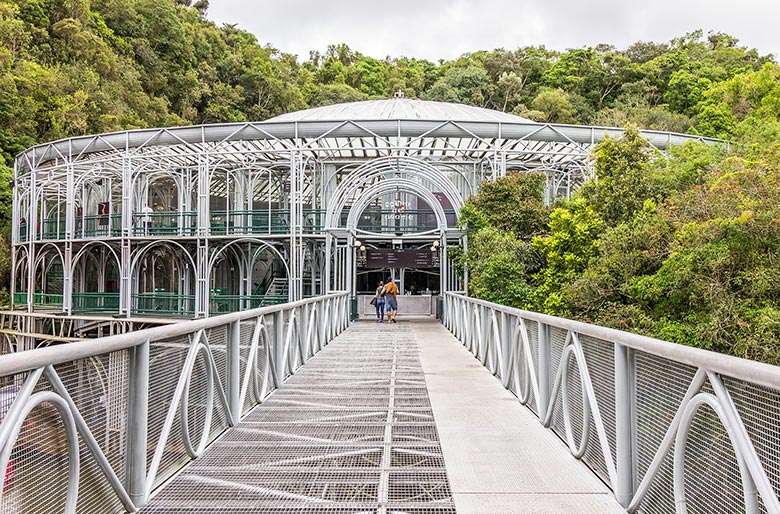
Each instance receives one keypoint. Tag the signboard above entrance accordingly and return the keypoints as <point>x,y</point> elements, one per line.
<point>399,258</point>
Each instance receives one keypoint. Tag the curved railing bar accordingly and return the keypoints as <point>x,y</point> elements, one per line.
<point>495,355</point>
<point>744,446</point>
<point>184,407</point>
<point>189,363</point>
<point>71,435</point>
<point>89,438</point>
<point>666,443</point>
<point>681,442</point>
<point>251,363</point>
<point>18,404</point>
<point>475,334</point>
<point>529,363</point>
<point>577,451</point>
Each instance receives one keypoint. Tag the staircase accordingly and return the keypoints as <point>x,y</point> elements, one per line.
<point>278,286</point>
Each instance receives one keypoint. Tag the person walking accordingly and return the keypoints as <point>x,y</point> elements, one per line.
<point>391,302</point>
<point>379,302</point>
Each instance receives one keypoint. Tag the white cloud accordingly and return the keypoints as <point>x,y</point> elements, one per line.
<point>445,29</point>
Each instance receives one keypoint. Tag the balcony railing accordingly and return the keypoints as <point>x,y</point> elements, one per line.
<point>96,302</point>
<point>99,226</point>
<point>163,304</point>
<point>47,300</point>
<point>20,297</point>
<point>223,222</point>
<point>222,303</point>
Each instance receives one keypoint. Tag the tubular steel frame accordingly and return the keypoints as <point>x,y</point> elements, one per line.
<point>300,330</point>
<point>500,337</point>
<point>296,171</point>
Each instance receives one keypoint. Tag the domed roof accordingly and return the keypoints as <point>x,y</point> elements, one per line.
<point>399,109</point>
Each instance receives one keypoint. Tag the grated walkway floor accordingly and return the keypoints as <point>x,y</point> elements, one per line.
<point>351,432</point>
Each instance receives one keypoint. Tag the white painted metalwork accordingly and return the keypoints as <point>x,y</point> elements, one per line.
<point>132,223</point>
<point>622,402</point>
<point>215,370</point>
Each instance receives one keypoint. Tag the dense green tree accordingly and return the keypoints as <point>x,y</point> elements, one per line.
<point>514,203</point>
<point>572,242</point>
<point>605,292</point>
<point>500,267</point>
<point>552,106</point>
<point>500,221</point>
<point>469,85</point>
<point>330,94</point>
<point>623,181</point>
<point>368,76</point>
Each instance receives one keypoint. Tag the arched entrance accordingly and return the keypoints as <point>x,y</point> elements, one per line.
<point>392,218</point>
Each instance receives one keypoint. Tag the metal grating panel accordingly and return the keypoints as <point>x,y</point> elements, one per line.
<point>37,476</point>
<point>660,388</point>
<point>351,432</point>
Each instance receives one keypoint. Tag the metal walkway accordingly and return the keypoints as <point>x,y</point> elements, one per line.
<point>351,432</point>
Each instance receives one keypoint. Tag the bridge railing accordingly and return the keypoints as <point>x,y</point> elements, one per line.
<point>669,428</point>
<point>94,426</point>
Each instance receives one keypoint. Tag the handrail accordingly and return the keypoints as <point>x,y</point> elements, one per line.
<point>632,422</point>
<point>24,361</point>
<point>758,372</point>
<point>168,390</point>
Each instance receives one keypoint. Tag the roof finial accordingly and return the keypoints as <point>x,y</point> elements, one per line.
<point>398,94</point>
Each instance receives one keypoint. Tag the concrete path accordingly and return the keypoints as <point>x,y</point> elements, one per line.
<point>499,458</point>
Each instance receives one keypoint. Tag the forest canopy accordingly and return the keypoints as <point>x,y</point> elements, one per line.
<point>683,247</point>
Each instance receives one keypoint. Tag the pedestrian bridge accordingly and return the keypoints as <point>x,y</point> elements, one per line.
<point>292,409</point>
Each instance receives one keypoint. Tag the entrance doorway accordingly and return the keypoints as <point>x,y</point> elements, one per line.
<point>415,267</point>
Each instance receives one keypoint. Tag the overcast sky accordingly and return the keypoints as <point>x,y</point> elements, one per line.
<point>444,29</point>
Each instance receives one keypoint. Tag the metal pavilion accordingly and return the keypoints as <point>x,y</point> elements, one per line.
<point>197,220</point>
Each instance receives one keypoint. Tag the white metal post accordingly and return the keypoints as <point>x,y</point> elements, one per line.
<point>234,371</point>
<point>625,424</point>
<point>545,369</point>
<point>137,422</point>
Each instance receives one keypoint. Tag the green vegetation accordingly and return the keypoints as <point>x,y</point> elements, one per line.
<point>683,247</point>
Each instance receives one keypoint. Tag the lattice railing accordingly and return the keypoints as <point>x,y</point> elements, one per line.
<point>96,425</point>
<point>670,428</point>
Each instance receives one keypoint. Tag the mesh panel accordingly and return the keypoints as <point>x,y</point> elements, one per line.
<point>557,339</point>
<point>218,338</point>
<point>246,330</point>
<point>533,339</point>
<point>711,465</point>
<point>38,480</point>
<point>759,408</point>
<point>98,387</point>
<point>165,365</point>
<point>197,403</point>
<point>660,387</point>
<point>37,477</point>
<point>600,358</point>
